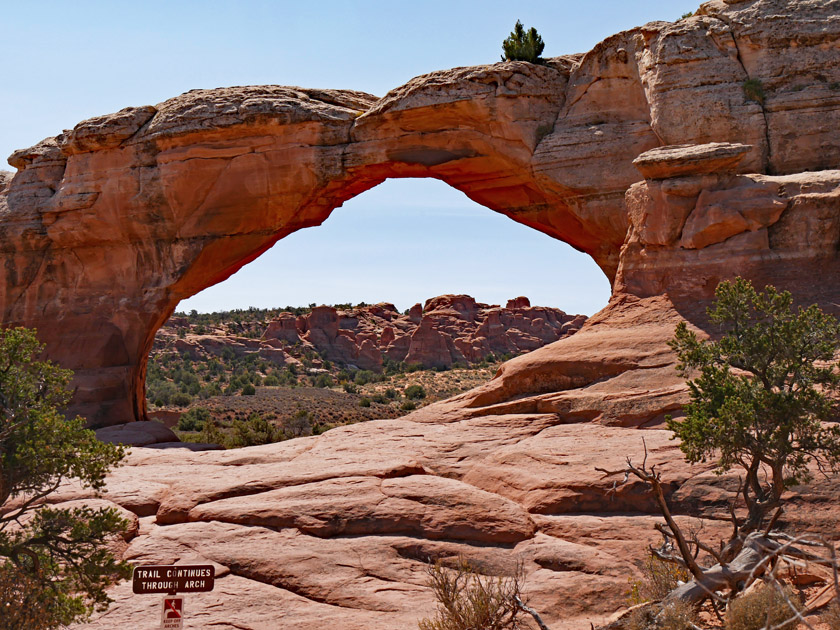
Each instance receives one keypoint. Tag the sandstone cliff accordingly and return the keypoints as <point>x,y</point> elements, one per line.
<point>106,227</point>
<point>646,152</point>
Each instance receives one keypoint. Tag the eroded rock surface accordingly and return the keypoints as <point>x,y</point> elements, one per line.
<point>731,117</point>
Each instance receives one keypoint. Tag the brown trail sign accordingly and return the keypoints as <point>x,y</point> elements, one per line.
<point>162,578</point>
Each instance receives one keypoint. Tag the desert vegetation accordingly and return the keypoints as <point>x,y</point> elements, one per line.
<point>468,600</point>
<point>222,397</point>
<point>761,402</point>
<point>522,45</point>
<point>55,562</point>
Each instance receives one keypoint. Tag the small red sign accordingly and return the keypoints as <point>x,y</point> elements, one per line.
<point>172,616</point>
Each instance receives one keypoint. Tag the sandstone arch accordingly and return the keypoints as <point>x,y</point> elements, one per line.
<point>106,227</point>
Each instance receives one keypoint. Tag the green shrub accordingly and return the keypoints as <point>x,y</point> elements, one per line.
<point>408,406</point>
<point>248,390</point>
<point>55,562</point>
<point>323,380</point>
<point>298,425</point>
<point>687,15</point>
<point>271,381</point>
<point>765,607</point>
<point>754,91</point>
<point>391,393</point>
<point>363,377</point>
<point>254,431</point>
<point>415,392</point>
<point>181,399</point>
<point>523,46</point>
<point>379,398</point>
<point>364,402</point>
<point>193,419</point>
<point>350,388</point>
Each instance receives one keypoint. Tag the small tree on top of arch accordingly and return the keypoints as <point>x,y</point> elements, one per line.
<point>523,46</point>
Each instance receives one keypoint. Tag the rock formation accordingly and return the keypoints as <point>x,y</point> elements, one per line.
<point>450,329</point>
<point>106,227</point>
<point>675,154</point>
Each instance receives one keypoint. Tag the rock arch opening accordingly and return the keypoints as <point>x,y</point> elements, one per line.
<point>407,240</point>
<point>401,243</point>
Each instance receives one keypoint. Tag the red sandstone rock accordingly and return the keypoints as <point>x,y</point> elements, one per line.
<point>549,145</point>
<point>455,328</point>
<point>103,231</point>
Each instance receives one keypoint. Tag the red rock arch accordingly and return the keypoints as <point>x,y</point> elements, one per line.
<point>105,228</point>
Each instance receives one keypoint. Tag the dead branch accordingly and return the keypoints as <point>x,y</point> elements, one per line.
<point>653,478</point>
<point>525,608</point>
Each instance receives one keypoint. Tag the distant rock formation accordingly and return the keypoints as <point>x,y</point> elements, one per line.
<point>449,329</point>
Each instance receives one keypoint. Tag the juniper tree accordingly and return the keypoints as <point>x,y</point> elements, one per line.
<point>522,46</point>
<point>760,399</point>
<point>54,562</point>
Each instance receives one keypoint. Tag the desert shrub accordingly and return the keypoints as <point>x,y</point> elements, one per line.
<point>298,425</point>
<point>392,367</point>
<point>271,381</point>
<point>467,600</point>
<point>673,616</point>
<point>248,389</point>
<point>180,399</point>
<point>658,579</point>
<point>415,392</point>
<point>754,90</point>
<point>254,431</point>
<point>391,393</point>
<point>323,380</point>
<point>761,394</point>
<point>350,388</point>
<point>687,15</point>
<point>55,563</point>
<point>379,398</point>
<point>193,419</point>
<point>408,405</point>
<point>768,606</point>
<point>364,402</point>
<point>211,390</point>
<point>523,46</point>
<point>363,377</point>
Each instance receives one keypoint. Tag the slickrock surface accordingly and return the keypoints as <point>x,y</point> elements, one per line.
<point>647,153</point>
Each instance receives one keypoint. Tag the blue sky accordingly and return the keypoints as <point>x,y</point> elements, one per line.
<point>403,241</point>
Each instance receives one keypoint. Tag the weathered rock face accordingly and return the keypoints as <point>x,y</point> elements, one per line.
<point>647,153</point>
<point>451,329</point>
<point>106,227</point>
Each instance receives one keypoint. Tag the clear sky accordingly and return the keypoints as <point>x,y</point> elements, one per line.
<point>402,242</point>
